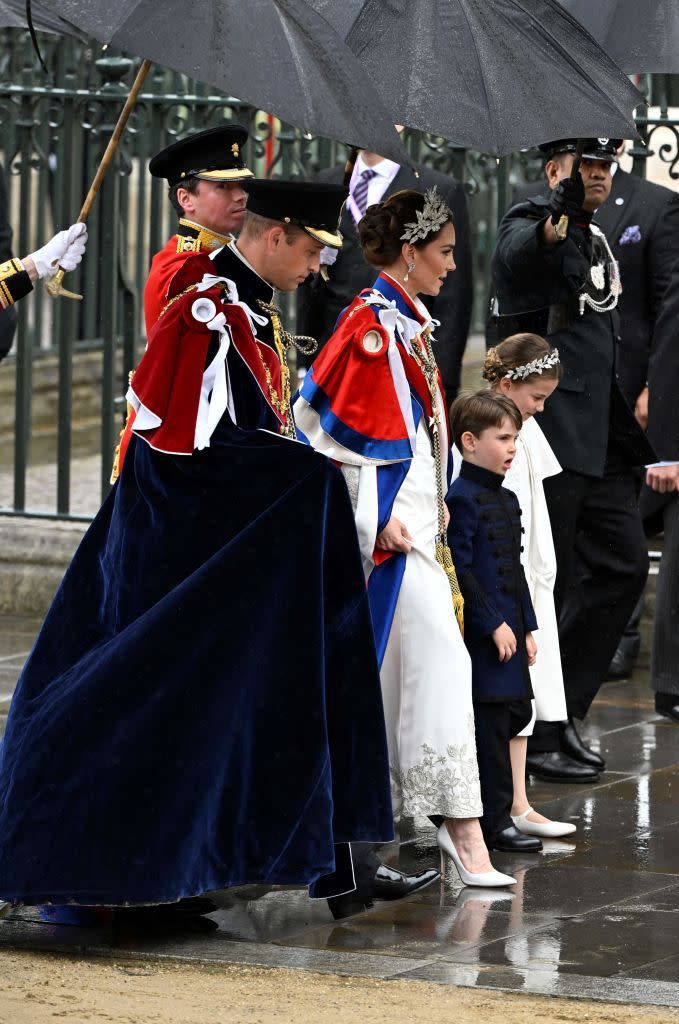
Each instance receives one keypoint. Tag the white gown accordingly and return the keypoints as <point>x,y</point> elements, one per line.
<point>535,461</point>
<point>426,671</point>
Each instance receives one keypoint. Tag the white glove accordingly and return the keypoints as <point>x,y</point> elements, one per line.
<point>64,250</point>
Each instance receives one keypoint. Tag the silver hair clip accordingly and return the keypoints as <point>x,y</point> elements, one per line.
<point>429,220</point>
<point>537,366</point>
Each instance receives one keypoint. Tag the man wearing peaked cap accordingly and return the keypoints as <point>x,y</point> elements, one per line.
<point>554,274</point>
<point>205,173</point>
<point>259,763</point>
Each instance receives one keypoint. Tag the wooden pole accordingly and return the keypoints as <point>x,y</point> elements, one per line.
<point>54,285</point>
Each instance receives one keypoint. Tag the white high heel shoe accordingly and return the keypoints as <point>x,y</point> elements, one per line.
<point>485,879</point>
<point>546,830</point>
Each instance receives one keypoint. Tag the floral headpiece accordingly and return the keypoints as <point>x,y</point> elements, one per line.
<point>430,219</point>
<point>536,366</point>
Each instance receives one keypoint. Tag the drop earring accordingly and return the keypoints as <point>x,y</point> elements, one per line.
<point>409,268</point>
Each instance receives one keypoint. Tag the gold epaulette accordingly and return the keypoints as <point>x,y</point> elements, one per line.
<point>185,243</point>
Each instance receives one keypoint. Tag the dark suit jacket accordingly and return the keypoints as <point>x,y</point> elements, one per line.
<point>8,317</point>
<point>645,218</point>
<point>320,303</point>
<point>533,282</point>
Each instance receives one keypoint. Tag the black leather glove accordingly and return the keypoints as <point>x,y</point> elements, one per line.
<point>567,198</point>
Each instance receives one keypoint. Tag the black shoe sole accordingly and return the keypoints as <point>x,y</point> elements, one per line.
<point>564,779</point>
<point>418,888</point>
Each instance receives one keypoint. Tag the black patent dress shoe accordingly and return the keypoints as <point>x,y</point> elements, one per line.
<point>554,766</point>
<point>347,905</point>
<point>513,841</point>
<point>392,884</point>
<point>667,704</point>
<point>574,746</point>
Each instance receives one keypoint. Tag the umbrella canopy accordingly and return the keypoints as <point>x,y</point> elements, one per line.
<point>279,55</point>
<point>13,15</point>
<point>494,76</point>
<point>640,35</point>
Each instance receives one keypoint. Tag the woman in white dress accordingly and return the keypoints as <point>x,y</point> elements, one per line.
<point>526,369</point>
<point>373,402</point>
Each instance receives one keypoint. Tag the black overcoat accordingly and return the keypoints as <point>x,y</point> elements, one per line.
<point>537,288</point>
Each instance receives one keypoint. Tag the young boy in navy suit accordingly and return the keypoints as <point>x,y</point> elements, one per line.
<point>485,536</point>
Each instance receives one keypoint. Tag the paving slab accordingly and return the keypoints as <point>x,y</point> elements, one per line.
<point>594,916</point>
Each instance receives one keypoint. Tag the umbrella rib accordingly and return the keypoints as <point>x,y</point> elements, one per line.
<point>489,104</point>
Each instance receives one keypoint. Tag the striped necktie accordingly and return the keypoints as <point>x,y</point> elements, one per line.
<point>360,193</point>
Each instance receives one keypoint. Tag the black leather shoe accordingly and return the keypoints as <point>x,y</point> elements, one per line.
<point>667,704</point>
<point>513,841</point>
<point>347,905</point>
<point>554,766</point>
<point>392,884</point>
<point>572,744</point>
<point>624,659</point>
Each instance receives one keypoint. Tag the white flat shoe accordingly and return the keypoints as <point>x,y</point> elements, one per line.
<point>545,830</point>
<point>484,879</point>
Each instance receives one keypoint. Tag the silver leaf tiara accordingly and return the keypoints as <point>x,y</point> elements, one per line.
<point>430,219</point>
<point>537,366</point>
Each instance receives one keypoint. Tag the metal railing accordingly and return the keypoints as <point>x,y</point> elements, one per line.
<point>52,134</point>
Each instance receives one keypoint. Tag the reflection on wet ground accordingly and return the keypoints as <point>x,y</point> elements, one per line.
<point>595,917</point>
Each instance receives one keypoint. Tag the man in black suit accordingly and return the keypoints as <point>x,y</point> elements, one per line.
<point>323,297</point>
<point>659,501</point>
<point>641,221</point>
<point>554,274</point>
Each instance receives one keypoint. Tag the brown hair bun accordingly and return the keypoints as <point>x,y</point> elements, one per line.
<point>381,228</point>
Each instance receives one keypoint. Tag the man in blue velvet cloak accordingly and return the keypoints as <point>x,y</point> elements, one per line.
<point>202,706</point>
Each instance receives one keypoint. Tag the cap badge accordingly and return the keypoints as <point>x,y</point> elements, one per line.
<point>235,149</point>
<point>603,142</point>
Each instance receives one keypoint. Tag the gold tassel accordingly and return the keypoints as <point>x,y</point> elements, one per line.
<point>445,559</point>
<point>115,470</point>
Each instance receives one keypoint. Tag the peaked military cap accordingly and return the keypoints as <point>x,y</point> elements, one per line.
<point>595,149</point>
<point>213,155</point>
<point>313,206</point>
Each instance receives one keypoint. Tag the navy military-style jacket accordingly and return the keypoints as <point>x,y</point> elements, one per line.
<point>485,535</point>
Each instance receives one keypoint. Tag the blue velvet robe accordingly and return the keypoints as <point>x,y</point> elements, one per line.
<point>202,707</point>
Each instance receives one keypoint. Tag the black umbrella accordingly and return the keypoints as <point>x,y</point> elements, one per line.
<point>640,35</point>
<point>13,15</point>
<point>492,75</point>
<point>279,55</point>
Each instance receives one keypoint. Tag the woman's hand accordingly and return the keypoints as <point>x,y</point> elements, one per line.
<point>394,537</point>
<point>531,648</point>
<point>505,641</point>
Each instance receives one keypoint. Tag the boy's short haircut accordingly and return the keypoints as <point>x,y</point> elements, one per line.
<point>475,411</point>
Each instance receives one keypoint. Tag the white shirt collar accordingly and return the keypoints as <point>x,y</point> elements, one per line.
<point>385,168</point>
<point>233,246</point>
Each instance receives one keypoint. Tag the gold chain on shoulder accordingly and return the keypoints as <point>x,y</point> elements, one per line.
<point>424,357</point>
<point>280,402</point>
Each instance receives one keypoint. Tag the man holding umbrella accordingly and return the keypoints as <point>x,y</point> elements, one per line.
<point>554,274</point>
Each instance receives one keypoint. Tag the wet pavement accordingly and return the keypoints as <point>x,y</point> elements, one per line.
<point>596,917</point>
